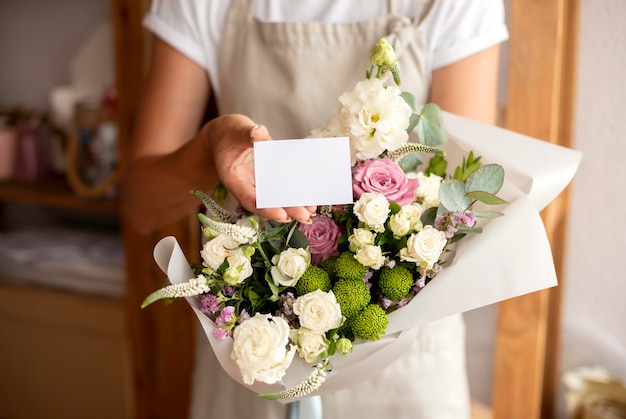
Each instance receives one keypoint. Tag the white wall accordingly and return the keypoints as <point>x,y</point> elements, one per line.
<point>594,316</point>
<point>37,39</point>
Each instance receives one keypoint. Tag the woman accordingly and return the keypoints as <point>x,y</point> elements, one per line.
<point>283,64</point>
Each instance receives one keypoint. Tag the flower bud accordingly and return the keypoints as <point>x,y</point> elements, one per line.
<point>344,346</point>
<point>383,54</point>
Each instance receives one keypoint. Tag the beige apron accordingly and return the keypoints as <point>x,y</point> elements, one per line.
<point>288,76</point>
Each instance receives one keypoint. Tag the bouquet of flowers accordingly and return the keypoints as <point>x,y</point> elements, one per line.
<point>291,305</point>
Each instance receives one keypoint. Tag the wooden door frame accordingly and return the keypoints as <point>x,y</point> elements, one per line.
<point>540,103</point>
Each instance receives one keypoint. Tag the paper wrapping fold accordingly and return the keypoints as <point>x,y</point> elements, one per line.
<point>511,257</point>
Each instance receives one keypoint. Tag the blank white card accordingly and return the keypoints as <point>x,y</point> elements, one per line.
<point>303,172</point>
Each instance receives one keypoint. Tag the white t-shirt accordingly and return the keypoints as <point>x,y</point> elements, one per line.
<point>454,29</point>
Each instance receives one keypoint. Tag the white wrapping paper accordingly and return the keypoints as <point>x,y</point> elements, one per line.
<point>511,257</point>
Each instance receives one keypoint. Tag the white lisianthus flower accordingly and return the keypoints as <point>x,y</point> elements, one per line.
<point>318,311</point>
<point>407,220</point>
<point>375,118</point>
<point>373,210</point>
<point>360,237</point>
<point>311,344</point>
<point>239,267</point>
<point>215,251</point>
<point>260,348</point>
<point>370,256</point>
<point>289,266</point>
<point>428,191</point>
<point>425,247</point>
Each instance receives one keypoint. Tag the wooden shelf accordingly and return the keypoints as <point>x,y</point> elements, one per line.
<point>53,192</point>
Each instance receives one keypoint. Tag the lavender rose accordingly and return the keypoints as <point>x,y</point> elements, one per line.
<point>322,234</point>
<point>383,176</point>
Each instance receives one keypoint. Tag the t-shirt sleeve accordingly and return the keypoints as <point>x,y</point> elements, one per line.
<point>460,28</point>
<point>176,23</point>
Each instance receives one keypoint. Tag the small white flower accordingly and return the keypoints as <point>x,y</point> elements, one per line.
<point>370,256</point>
<point>311,344</point>
<point>239,267</point>
<point>289,266</point>
<point>373,210</point>
<point>360,237</point>
<point>318,311</point>
<point>375,118</point>
<point>260,348</point>
<point>407,220</point>
<point>215,251</point>
<point>428,191</point>
<point>425,247</point>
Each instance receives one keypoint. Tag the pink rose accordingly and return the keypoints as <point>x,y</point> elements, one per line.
<point>383,176</point>
<point>323,234</point>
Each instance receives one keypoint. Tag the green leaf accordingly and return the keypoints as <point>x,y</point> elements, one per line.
<point>486,198</point>
<point>428,216</point>
<point>488,178</point>
<point>437,166</point>
<point>412,102</point>
<point>430,128</point>
<point>452,196</point>
<point>298,240</point>
<point>488,214</point>
<point>410,162</point>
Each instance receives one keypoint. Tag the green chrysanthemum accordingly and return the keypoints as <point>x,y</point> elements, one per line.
<point>347,267</point>
<point>352,295</point>
<point>395,283</point>
<point>370,323</point>
<point>314,278</point>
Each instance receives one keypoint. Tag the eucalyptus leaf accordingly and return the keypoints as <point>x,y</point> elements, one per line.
<point>452,196</point>
<point>487,178</point>
<point>430,127</point>
<point>486,197</point>
<point>488,214</point>
<point>410,162</point>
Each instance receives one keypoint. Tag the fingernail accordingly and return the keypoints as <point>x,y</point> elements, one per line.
<point>254,128</point>
<point>314,214</point>
<point>286,220</point>
<point>309,221</point>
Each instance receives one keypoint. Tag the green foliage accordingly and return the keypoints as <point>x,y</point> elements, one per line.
<point>437,165</point>
<point>467,167</point>
<point>430,127</point>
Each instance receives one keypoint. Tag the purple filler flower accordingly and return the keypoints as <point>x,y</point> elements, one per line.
<point>386,177</point>
<point>322,234</point>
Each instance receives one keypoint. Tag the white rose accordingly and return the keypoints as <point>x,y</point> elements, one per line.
<point>311,344</point>
<point>260,348</point>
<point>318,311</point>
<point>239,267</point>
<point>407,220</point>
<point>289,266</point>
<point>425,247</point>
<point>428,191</point>
<point>216,250</point>
<point>360,237</point>
<point>370,256</point>
<point>372,209</point>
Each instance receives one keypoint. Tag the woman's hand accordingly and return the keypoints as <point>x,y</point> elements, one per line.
<point>230,140</point>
